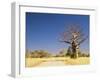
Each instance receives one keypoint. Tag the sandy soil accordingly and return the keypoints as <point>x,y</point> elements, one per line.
<point>59,61</point>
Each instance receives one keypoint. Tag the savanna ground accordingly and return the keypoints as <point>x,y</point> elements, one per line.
<point>56,61</point>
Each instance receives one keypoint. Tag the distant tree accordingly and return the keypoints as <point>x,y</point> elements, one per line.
<point>39,54</point>
<point>85,55</point>
<point>68,51</point>
<point>79,53</point>
<point>35,54</point>
<point>61,54</point>
<point>88,55</point>
<point>27,55</point>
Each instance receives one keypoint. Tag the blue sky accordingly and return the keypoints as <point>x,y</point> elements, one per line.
<point>43,30</point>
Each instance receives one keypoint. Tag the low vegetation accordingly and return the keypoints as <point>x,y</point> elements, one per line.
<point>35,58</point>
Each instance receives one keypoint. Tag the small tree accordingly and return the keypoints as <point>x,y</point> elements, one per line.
<point>68,51</point>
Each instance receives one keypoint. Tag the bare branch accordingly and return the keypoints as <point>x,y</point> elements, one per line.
<point>66,42</point>
<point>82,40</point>
<point>73,33</point>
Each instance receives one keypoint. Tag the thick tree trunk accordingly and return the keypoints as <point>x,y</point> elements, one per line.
<point>75,50</point>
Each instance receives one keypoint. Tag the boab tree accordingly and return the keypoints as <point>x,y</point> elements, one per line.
<point>73,36</point>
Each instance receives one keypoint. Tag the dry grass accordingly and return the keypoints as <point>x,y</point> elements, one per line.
<point>78,61</point>
<point>32,62</point>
